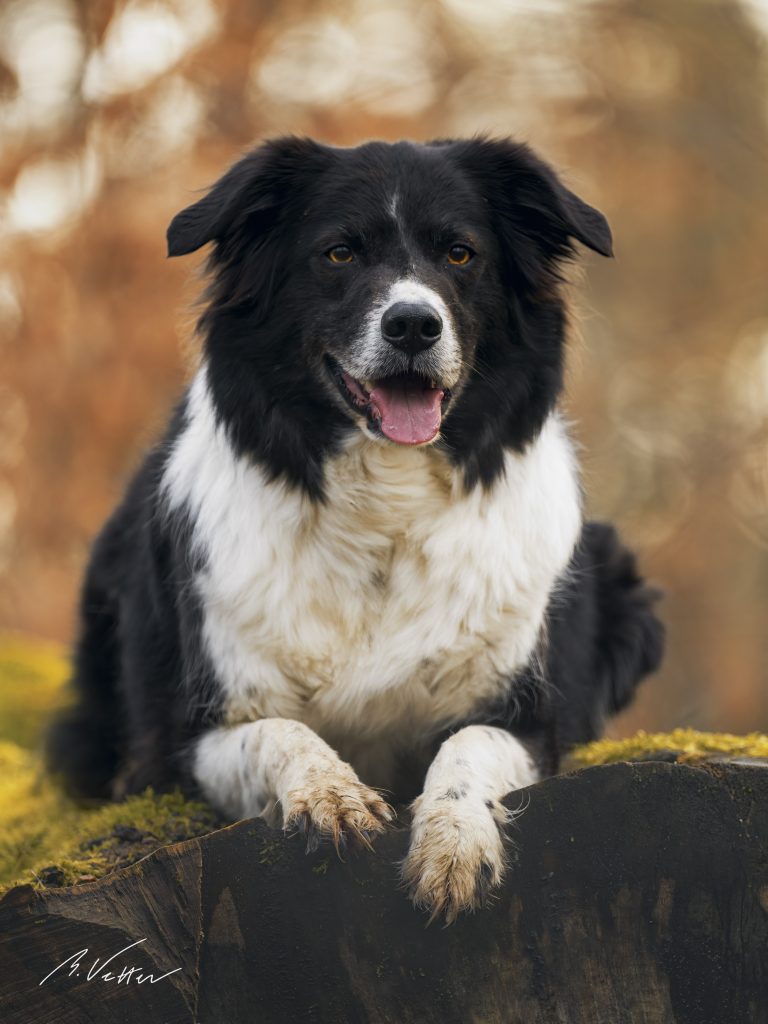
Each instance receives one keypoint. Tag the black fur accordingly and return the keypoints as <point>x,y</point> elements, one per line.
<point>275,312</point>
<point>602,639</point>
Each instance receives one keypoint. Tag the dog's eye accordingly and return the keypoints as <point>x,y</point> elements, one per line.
<point>340,254</point>
<point>459,255</point>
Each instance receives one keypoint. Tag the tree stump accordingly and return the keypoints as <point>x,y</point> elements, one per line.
<point>637,893</point>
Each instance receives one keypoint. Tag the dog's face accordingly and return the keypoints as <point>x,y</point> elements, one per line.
<point>396,243</point>
<point>406,290</point>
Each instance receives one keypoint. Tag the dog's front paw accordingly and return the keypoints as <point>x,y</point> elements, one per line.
<point>456,857</point>
<point>334,804</point>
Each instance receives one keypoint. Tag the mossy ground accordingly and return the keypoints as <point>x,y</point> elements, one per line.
<point>685,744</point>
<point>47,840</point>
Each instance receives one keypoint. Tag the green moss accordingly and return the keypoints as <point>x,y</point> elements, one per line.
<point>271,852</point>
<point>687,744</point>
<point>32,674</point>
<point>46,839</point>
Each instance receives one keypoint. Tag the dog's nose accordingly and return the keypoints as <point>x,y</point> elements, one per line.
<point>411,326</point>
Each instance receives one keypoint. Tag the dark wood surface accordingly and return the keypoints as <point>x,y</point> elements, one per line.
<point>638,893</point>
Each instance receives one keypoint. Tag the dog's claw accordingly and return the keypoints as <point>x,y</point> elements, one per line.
<point>313,839</point>
<point>349,816</point>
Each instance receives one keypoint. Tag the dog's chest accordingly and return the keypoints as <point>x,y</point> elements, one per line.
<point>393,608</point>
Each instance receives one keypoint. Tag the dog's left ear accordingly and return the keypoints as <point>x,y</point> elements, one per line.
<point>582,222</point>
<point>526,193</point>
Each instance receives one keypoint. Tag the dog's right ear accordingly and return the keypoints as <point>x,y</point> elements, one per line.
<point>253,186</point>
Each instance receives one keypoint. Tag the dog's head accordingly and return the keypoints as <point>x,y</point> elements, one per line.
<point>410,291</point>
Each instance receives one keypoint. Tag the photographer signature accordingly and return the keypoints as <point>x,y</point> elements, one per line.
<point>98,971</point>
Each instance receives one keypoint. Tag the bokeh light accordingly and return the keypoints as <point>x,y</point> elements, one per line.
<point>114,114</point>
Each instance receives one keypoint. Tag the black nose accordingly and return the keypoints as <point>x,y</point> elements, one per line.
<point>411,326</point>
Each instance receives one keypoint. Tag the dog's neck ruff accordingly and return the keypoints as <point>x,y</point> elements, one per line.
<point>398,604</point>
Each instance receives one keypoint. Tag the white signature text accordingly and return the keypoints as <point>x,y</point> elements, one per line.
<point>98,969</point>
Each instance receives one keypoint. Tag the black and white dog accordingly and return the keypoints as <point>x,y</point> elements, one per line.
<point>357,561</point>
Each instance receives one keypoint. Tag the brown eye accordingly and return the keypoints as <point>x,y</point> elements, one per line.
<point>459,255</point>
<point>340,254</point>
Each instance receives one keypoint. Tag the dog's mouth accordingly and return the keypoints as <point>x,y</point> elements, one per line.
<point>406,408</point>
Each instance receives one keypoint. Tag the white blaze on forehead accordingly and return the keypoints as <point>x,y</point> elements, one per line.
<point>408,289</point>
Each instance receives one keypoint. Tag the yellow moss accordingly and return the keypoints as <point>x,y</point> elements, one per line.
<point>41,829</point>
<point>688,744</point>
<point>32,677</point>
<point>43,835</point>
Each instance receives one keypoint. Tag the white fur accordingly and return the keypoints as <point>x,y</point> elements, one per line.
<point>391,609</point>
<point>456,839</point>
<point>283,771</point>
<point>442,361</point>
<point>480,762</point>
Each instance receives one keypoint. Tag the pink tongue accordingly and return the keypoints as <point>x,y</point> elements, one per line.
<point>409,411</point>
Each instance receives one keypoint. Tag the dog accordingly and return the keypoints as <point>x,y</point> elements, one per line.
<point>356,564</point>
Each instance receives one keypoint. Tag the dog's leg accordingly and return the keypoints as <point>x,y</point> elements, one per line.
<point>276,764</point>
<point>456,854</point>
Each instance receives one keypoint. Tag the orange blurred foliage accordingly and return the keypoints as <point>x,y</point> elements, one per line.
<point>113,114</point>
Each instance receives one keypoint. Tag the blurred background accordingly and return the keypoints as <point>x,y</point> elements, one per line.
<point>112,115</point>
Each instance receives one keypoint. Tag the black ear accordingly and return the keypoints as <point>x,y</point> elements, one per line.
<point>527,193</point>
<point>252,186</point>
<point>208,218</point>
<point>582,222</point>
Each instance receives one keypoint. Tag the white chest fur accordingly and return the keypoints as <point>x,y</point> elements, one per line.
<point>390,610</point>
